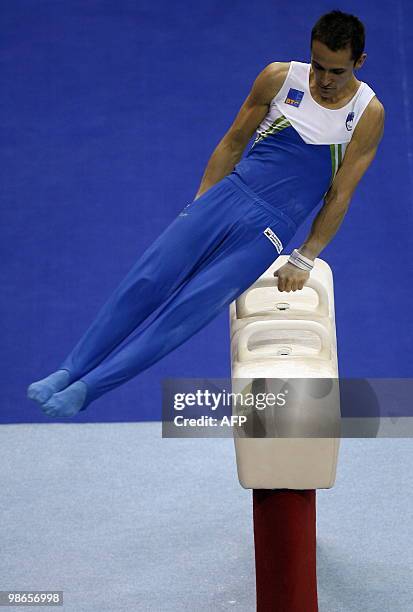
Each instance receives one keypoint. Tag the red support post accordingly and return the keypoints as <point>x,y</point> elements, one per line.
<point>285,550</point>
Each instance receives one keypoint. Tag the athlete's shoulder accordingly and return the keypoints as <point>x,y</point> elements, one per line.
<point>275,73</point>
<point>277,69</point>
<point>369,130</point>
<point>270,80</point>
<point>375,108</point>
<point>373,115</point>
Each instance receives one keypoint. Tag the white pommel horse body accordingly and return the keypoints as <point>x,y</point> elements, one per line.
<point>288,452</point>
<point>279,335</point>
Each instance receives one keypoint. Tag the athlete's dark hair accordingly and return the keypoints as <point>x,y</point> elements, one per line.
<point>339,30</point>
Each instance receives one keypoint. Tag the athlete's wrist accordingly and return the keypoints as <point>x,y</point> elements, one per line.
<point>298,260</point>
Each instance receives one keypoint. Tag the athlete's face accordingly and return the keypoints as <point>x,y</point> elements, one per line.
<point>333,70</point>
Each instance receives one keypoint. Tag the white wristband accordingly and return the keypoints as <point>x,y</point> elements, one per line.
<point>299,260</point>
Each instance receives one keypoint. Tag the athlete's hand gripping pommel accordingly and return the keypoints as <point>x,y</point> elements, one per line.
<point>291,278</point>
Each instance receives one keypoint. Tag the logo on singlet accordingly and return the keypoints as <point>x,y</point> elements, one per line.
<point>349,121</point>
<point>294,97</point>
<point>274,239</point>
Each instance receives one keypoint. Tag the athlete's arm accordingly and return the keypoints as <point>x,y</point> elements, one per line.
<point>360,152</point>
<point>255,107</point>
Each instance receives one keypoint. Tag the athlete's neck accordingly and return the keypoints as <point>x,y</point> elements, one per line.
<point>340,99</point>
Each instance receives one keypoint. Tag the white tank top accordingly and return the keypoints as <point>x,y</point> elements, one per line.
<point>299,146</point>
<point>315,124</point>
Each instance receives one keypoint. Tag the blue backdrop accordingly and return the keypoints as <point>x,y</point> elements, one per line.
<point>109,113</point>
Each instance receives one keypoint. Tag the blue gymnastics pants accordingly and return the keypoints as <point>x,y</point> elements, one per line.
<point>210,253</point>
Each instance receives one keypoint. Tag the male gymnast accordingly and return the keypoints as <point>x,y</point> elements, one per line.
<point>317,131</point>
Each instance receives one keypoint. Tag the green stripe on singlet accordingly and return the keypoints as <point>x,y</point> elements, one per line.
<point>336,151</point>
<point>279,124</point>
<point>340,155</point>
<point>333,161</point>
